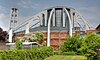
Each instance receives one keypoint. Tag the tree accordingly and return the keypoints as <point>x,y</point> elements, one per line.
<point>19,44</point>
<point>33,37</point>
<point>89,45</point>
<point>28,37</point>
<point>40,37</point>
<point>72,44</point>
<point>3,35</point>
<point>82,46</point>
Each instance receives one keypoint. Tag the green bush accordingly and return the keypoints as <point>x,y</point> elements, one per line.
<point>39,36</point>
<point>32,54</point>
<point>19,44</point>
<point>82,46</point>
<point>72,44</point>
<point>96,57</point>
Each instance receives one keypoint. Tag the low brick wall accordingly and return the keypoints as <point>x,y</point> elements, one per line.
<point>57,38</point>
<point>98,52</point>
<point>3,46</point>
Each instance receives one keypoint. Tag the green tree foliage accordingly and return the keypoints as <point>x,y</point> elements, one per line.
<point>89,45</point>
<point>71,44</point>
<point>40,36</point>
<point>19,44</point>
<point>82,46</point>
<point>33,37</point>
<point>28,37</point>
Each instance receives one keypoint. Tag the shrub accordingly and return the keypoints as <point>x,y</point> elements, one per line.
<point>40,36</point>
<point>82,46</point>
<point>32,54</point>
<point>89,44</point>
<point>96,57</point>
<point>19,44</point>
<point>71,44</point>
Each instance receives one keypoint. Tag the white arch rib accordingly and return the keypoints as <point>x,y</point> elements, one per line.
<point>27,28</point>
<point>70,25</point>
<point>10,35</point>
<point>49,21</point>
<point>63,18</point>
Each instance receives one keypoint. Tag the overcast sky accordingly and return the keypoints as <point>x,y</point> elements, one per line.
<point>90,9</point>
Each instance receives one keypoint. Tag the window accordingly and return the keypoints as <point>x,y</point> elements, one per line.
<point>58,18</point>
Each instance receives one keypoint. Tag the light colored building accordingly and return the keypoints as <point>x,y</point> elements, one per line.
<point>57,24</point>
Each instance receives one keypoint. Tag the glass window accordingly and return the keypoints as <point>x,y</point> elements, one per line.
<point>58,18</point>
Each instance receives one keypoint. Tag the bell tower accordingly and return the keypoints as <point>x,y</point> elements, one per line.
<point>13,18</point>
<point>13,22</point>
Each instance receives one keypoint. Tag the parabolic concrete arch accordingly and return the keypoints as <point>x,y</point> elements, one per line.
<point>49,21</point>
<point>60,17</point>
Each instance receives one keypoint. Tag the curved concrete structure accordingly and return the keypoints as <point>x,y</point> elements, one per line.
<point>55,19</point>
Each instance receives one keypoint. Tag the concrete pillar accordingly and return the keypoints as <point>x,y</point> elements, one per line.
<point>10,35</point>
<point>46,18</point>
<point>27,29</point>
<point>41,20</point>
<point>54,18</point>
<point>63,18</point>
<point>49,21</point>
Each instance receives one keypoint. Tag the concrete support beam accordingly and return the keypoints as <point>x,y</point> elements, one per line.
<point>46,18</point>
<point>49,24</point>
<point>10,35</point>
<point>54,20</point>
<point>41,20</point>
<point>70,25</point>
<point>63,18</point>
<point>27,29</point>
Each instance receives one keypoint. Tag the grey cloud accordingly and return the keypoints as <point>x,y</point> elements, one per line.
<point>4,21</point>
<point>27,4</point>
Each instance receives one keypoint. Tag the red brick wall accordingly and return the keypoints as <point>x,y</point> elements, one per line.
<point>98,52</point>
<point>90,31</point>
<point>98,29</point>
<point>56,38</point>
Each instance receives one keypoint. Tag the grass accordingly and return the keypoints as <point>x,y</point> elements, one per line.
<point>64,57</point>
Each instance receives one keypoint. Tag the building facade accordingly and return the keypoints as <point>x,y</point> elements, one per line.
<point>57,24</point>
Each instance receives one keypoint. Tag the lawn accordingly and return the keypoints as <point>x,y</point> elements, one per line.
<point>64,57</point>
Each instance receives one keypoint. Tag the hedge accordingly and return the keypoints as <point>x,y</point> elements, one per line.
<point>32,54</point>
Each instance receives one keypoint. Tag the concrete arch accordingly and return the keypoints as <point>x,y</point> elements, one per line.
<point>49,24</point>
<point>70,25</point>
<point>49,21</point>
